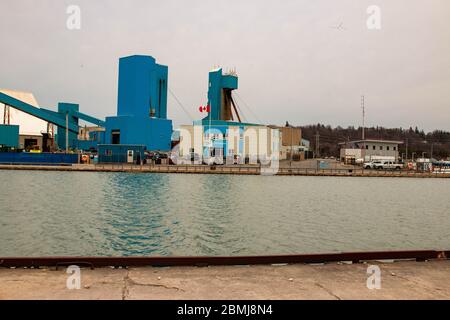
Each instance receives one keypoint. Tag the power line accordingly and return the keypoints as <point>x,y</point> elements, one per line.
<point>180,104</point>
<point>363,116</point>
<point>248,107</point>
<point>240,111</point>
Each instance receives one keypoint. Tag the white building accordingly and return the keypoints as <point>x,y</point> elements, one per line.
<point>29,125</point>
<point>368,150</point>
<point>231,141</point>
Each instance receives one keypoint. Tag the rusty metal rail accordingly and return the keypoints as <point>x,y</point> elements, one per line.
<point>355,257</point>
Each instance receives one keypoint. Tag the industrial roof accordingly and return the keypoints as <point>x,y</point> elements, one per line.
<point>374,141</point>
<point>206,122</point>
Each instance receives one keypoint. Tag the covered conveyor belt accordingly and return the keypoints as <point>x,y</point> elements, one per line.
<point>56,118</point>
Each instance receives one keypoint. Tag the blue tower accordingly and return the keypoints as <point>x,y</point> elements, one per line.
<point>220,99</point>
<point>142,105</point>
<point>142,87</point>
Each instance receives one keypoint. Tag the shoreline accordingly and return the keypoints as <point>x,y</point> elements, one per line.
<point>232,170</point>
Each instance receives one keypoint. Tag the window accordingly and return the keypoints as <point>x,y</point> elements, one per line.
<point>381,147</point>
<point>395,148</point>
<point>108,153</point>
<point>115,136</point>
<point>367,147</point>
<point>373,147</point>
<point>387,148</point>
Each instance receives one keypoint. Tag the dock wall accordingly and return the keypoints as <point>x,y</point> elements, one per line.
<point>236,170</point>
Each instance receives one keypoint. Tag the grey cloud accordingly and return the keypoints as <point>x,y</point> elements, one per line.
<point>291,62</point>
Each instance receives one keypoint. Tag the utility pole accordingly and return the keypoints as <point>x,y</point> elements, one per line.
<point>406,149</point>
<point>317,144</point>
<point>292,145</point>
<point>51,135</point>
<point>363,117</point>
<point>67,132</point>
<point>363,131</point>
<point>6,115</point>
<point>431,153</point>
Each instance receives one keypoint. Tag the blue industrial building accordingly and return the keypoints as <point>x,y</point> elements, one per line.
<point>223,114</point>
<point>141,118</point>
<point>121,153</point>
<point>141,121</point>
<point>220,99</point>
<point>9,136</point>
<point>66,119</point>
<point>95,139</point>
<point>142,105</point>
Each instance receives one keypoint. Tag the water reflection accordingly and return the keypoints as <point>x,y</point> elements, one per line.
<point>65,213</point>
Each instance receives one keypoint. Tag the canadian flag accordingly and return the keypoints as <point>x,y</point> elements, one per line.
<point>204,108</point>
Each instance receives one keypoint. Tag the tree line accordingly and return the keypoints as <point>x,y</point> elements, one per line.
<point>435,143</point>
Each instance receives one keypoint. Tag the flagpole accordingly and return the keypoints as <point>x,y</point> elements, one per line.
<point>208,108</point>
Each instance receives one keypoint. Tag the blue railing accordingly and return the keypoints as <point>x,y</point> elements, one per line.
<point>37,158</point>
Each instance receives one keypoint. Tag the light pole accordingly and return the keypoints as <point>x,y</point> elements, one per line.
<point>432,149</point>
<point>413,154</point>
<point>406,150</point>
<point>290,164</point>
<point>67,132</point>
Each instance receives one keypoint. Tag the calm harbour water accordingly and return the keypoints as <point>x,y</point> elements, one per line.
<point>114,214</point>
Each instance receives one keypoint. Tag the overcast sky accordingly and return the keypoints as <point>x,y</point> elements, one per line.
<point>306,61</point>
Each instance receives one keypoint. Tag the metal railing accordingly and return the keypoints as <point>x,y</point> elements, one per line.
<point>46,164</point>
<point>256,169</point>
<point>355,257</point>
<point>226,169</point>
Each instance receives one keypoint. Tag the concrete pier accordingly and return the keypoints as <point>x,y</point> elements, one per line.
<point>399,280</point>
<point>234,169</point>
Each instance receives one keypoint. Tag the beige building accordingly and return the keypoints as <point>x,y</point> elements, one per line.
<point>290,143</point>
<point>369,150</point>
<point>238,143</point>
<point>31,142</point>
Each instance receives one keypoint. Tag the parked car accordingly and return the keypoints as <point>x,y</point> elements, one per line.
<point>214,161</point>
<point>387,165</point>
<point>149,155</point>
<point>370,164</point>
<point>155,155</point>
